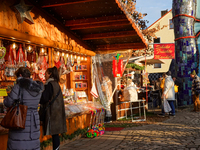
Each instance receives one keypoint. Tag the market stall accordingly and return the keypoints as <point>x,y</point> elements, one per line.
<point>35,37</point>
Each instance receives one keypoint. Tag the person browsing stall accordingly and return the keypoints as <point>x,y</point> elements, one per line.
<point>55,120</point>
<point>27,138</point>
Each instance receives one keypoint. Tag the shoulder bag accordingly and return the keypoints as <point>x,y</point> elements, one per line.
<point>15,117</point>
<point>43,109</point>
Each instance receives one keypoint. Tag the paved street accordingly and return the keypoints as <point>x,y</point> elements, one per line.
<point>177,133</point>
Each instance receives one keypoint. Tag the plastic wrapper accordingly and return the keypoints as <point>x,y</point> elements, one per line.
<point>130,94</point>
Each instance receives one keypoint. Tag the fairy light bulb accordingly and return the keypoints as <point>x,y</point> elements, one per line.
<point>42,50</point>
<point>78,57</point>
<point>63,54</point>
<point>14,46</point>
<point>58,53</point>
<point>75,56</point>
<point>67,55</point>
<point>85,58</point>
<point>81,58</point>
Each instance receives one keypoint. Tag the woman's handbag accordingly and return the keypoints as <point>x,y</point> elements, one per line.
<point>166,95</point>
<point>15,117</point>
<point>167,107</point>
<point>43,108</point>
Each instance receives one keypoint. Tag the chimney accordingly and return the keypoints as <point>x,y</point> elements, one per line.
<point>163,12</point>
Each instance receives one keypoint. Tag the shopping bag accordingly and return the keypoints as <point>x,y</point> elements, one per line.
<point>167,107</point>
<point>15,117</point>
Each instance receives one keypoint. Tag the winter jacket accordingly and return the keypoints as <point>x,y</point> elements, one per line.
<point>27,138</point>
<point>162,84</point>
<point>169,87</point>
<point>196,85</point>
<point>55,120</point>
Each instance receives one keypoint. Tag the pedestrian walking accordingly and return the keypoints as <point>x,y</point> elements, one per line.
<point>52,98</point>
<point>27,138</point>
<point>195,90</point>
<point>168,94</point>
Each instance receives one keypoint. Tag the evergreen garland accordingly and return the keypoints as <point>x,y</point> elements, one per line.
<point>131,65</point>
<point>63,137</point>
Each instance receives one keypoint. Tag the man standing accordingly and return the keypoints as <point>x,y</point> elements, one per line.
<point>195,90</point>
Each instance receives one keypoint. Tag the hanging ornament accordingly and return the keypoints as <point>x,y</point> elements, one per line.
<point>72,61</point>
<point>2,52</point>
<point>117,66</point>
<point>23,12</point>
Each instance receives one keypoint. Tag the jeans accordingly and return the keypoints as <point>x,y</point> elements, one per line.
<point>171,103</point>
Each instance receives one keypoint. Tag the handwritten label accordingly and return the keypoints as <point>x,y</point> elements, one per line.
<point>164,51</point>
<point>3,92</point>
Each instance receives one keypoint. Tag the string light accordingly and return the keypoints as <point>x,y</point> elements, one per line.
<point>14,46</point>
<point>81,58</point>
<point>85,58</point>
<point>75,56</point>
<point>29,49</point>
<point>67,55</point>
<point>58,53</point>
<point>63,54</point>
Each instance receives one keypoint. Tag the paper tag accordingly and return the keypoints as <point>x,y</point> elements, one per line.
<point>3,92</point>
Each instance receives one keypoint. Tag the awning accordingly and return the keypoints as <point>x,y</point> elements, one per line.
<point>103,25</point>
<point>152,61</point>
<point>149,60</point>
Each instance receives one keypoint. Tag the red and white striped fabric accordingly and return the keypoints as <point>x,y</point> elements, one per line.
<point>94,91</point>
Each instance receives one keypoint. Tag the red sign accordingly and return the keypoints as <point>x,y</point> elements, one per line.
<point>164,51</point>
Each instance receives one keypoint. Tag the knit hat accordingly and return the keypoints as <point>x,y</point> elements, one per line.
<point>193,72</point>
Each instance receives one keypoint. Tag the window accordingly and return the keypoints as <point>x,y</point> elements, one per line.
<point>171,25</point>
<point>157,65</point>
<point>156,40</point>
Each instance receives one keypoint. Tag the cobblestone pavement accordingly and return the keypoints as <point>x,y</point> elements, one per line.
<point>177,133</point>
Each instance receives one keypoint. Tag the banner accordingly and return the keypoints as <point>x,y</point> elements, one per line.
<point>164,51</point>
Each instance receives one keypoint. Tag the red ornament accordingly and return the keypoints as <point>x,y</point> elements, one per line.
<point>114,68</point>
<point>120,67</point>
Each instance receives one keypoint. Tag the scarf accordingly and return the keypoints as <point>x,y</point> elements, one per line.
<point>49,80</point>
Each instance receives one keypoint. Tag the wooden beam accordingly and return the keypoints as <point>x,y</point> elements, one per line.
<point>109,35</point>
<point>68,3</point>
<point>133,46</point>
<point>100,25</point>
<point>104,19</point>
<point>31,39</point>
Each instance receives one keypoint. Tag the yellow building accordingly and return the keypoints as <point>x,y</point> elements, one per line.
<point>165,35</point>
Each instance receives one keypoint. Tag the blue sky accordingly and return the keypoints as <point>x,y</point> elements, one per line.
<point>153,8</point>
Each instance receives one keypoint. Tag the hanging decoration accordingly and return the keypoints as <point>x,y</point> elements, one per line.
<point>2,52</point>
<point>117,66</point>
<point>23,12</point>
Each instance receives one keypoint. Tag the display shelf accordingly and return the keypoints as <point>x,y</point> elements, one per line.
<point>81,89</point>
<point>80,80</point>
<point>80,70</point>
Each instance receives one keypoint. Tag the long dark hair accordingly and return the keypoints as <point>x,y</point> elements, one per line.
<point>54,73</point>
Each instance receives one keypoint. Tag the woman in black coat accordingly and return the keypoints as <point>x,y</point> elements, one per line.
<point>55,120</point>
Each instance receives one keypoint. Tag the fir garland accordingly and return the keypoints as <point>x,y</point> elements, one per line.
<point>131,65</point>
<point>63,137</point>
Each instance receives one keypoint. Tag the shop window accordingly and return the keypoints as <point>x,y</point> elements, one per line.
<point>157,66</point>
<point>156,40</point>
<point>171,25</point>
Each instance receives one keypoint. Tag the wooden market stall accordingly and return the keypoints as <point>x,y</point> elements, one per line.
<point>50,33</point>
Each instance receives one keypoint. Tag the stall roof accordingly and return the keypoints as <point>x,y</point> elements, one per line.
<point>149,60</point>
<point>104,25</point>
